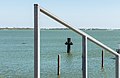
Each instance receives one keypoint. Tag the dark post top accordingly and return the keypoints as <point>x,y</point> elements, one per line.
<point>68,42</point>
<point>35,4</point>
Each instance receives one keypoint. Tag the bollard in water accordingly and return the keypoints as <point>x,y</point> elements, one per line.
<point>58,73</point>
<point>118,50</point>
<point>68,43</point>
<point>102,64</point>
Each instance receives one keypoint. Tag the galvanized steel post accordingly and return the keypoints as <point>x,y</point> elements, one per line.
<point>118,62</point>
<point>117,66</point>
<point>36,42</point>
<point>84,56</point>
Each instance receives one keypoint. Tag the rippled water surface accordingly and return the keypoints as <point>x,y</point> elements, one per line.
<point>17,59</point>
<point>53,43</point>
<point>16,54</point>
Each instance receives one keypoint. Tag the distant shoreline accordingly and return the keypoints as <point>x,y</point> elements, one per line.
<point>53,29</point>
<point>79,28</point>
<point>16,28</point>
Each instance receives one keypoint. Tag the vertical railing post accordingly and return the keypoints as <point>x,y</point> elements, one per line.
<point>84,56</point>
<point>36,42</point>
<point>117,66</point>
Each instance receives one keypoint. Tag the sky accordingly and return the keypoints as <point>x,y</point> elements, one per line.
<point>79,13</point>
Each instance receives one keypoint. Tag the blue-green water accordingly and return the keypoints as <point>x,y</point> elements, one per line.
<point>17,59</point>
<point>52,44</point>
<point>16,54</point>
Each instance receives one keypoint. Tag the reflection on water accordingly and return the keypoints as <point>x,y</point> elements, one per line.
<point>58,76</point>
<point>103,73</point>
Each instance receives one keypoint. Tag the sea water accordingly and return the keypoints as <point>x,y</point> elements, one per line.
<point>53,43</point>
<point>17,54</point>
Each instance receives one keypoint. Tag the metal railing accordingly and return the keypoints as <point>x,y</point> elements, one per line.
<point>85,37</point>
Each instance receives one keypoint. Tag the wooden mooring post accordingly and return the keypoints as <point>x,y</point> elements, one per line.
<point>68,43</point>
<point>102,62</point>
<point>58,69</point>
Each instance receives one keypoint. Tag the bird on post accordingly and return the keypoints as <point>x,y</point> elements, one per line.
<point>68,43</point>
